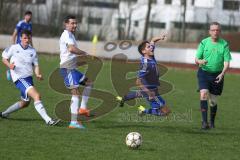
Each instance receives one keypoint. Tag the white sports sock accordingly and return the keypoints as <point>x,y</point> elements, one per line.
<point>85,96</point>
<point>11,109</point>
<point>74,108</point>
<point>41,110</point>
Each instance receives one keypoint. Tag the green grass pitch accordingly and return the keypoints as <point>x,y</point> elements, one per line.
<point>25,136</point>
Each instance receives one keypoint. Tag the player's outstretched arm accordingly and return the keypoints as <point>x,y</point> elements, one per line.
<point>38,73</point>
<point>9,65</point>
<point>159,38</point>
<point>75,50</point>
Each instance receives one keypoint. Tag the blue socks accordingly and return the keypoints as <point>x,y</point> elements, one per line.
<point>153,111</point>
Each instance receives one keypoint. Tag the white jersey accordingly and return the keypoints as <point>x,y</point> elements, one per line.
<point>68,59</point>
<point>23,59</point>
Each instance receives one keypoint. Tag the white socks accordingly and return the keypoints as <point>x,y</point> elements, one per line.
<point>41,110</point>
<point>85,96</point>
<point>74,108</point>
<point>11,109</point>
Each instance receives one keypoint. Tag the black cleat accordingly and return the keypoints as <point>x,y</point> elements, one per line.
<point>53,122</point>
<point>205,126</point>
<point>212,125</point>
<point>3,116</point>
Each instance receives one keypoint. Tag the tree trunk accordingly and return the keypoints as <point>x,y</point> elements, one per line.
<point>129,23</point>
<point>145,32</point>
<point>20,9</point>
<point>183,27</point>
<point>118,22</point>
<point>1,14</point>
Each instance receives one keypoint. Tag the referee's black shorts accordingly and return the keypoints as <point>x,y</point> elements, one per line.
<point>206,80</point>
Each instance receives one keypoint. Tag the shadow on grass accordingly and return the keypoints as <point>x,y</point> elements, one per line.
<point>190,130</point>
<point>23,119</point>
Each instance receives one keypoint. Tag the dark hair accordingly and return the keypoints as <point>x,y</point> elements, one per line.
<point>215,23</point>
<point>141,46</point>
<point>66,19</point>
<point>28,13</point>
<point>26,32</point>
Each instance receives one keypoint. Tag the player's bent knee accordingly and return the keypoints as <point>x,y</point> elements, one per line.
<point>24,104</point>
<point>36,97</point>
<point>203,95</point>
<point>87,82</point>
<point>75,92</point>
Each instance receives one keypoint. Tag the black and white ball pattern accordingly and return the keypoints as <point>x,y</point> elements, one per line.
<point>133,140</point>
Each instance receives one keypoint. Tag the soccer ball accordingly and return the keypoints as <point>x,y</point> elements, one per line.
<point>133,140</point>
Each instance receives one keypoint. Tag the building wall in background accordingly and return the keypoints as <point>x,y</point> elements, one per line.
<point>122,19</point>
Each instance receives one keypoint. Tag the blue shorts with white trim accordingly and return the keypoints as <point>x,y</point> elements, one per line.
<point>72,77</point>
<point>24,84</point>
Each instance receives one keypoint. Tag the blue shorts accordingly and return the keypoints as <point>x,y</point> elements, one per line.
<point>72,78</point>
<point>157,101</point>
<point>24,84</point>
<point>207,80</point>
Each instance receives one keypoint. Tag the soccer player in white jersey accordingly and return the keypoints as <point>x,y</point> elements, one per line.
<point>69,52</point>
<point>20,59</point>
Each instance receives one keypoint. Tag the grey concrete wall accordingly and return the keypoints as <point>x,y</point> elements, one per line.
<point>51,46</point>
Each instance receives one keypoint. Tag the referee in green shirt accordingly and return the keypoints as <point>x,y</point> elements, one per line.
<point>213,57</point>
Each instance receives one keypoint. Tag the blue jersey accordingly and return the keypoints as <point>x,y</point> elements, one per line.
<point>148,72</point>
<point>22,25</point>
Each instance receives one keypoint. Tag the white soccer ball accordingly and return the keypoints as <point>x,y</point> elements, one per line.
<point>133,140</point>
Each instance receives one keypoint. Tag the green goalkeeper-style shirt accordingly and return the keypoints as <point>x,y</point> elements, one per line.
<point>214,53</point>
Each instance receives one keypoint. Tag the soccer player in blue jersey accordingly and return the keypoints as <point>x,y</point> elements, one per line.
<point>69,53</point>
<point>20,59</point>
<point>148,81</point>
<point>24,24</point>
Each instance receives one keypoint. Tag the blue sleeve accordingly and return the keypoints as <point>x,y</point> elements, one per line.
<point>30,27</point>
<point>19,26</point>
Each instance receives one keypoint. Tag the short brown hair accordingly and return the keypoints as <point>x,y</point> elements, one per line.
<point>215,23</point>
<point>66,19</point>
<point>28,13</point>
<point>141,46</point>
<point>26,32</point>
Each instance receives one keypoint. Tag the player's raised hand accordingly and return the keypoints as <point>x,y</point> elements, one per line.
<point>163,36</point>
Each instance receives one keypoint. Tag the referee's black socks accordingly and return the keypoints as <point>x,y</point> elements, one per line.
<point>213,112</point>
